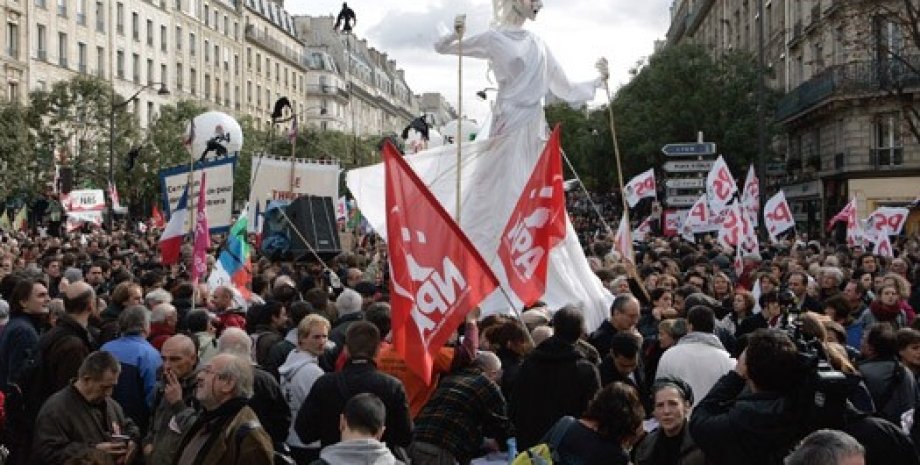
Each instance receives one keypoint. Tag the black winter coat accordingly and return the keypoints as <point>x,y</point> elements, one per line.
<point>318,418</point>
<point>733,427</point>
<point>269,405</point>
<point>554,381</point>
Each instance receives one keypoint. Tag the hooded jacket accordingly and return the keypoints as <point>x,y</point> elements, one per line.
<point>555,380</point>
<point>699,359</point>
<point>358,452</point>
<point>298,373</point>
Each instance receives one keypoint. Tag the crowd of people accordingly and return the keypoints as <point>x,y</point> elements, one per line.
<point>108,356</point>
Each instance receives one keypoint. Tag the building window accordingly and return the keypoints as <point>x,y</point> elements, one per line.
<point>120,63</point>
<point>100,17</point>
<point>191,43</point>
<point>216,55</point>
<point>207,51</point>
<point>81,12</point>
<point>207,16</point>
<point>248,91</point>
<point>62,49</point>
<point>62,8</point>
<point>135,26</point>
<point>149,72</point>
<point>136,68</point>
<point>258,62</point>
<point>178,76</point>
<point>258,95</point>
<point>178,37</point>
<point>207,86</point>
<point>81,57</point>
<point>192,80</point>
<point>40,3</point>
<point>163,76</point>
<point>887,147</point>
<point>163,39</point>
<point>100,62</point>
<point>150,33</point>
<point>120,18</point>
<point>150,113</point>
<point>12,40</point>
<point>217,90</point>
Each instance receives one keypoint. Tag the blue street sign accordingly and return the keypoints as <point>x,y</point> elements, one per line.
<point>689,149</point>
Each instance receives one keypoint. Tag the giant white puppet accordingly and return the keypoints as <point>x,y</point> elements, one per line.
<point>495,169</point>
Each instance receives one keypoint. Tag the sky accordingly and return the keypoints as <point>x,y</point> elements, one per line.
<point>577,31</point>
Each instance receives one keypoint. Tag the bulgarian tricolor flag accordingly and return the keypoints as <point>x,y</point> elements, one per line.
<point>233,267</point>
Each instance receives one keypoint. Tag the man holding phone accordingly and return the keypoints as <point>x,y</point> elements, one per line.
<point>84,416</point>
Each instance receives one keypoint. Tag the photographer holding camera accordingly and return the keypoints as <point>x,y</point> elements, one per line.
<point>757,425</point>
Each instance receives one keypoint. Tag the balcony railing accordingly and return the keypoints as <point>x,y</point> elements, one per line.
<point>873,159</point>
<point>270,43</point>
<point>850,78</point>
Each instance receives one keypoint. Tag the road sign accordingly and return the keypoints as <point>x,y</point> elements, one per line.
<point>689,149</point>
<point>689,166</point>
<point>685,183</point>
<point>776,168</point>
<point>682,200</point>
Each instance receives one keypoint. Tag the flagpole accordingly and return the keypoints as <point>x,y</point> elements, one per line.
<point>616,153</point>
<point>460,27</point>
<point>191,218</point>
<point>293,149</point>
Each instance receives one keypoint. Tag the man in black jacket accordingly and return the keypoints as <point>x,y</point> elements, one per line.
<point>318,418</point>
<point>554,381</point>
<point>757,426</point>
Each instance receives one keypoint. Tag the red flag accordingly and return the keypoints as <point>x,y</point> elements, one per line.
<point>157,217</point>
<point>436,275</point>
<point>202,236</point>
<point>844,215</point>
<point>535,226</point>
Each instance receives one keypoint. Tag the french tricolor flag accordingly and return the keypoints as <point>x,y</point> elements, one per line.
<point>174,234</point>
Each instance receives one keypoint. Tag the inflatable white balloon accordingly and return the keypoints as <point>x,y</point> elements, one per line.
<point>214,134</point>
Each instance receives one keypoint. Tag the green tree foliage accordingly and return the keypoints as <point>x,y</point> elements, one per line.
<point>72,118</point>
<point>163,147</point>
<point>680,91</point>
<point>21,155</point>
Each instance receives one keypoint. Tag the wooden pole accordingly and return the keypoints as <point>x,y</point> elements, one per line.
<point>616,153</point>
<point>459,140</point>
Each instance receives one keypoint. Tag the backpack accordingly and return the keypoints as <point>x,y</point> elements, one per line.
<point>546,453</point>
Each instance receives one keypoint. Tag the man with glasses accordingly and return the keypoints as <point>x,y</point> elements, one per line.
<point>228,432</point>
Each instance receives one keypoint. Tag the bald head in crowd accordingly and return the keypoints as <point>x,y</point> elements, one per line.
<point>179,356</point>
<point>79,299</point>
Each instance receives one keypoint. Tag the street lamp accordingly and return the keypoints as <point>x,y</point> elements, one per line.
<point>115,106</point>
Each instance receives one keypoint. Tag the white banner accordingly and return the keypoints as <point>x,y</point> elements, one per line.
<point>219,195</point>
<point>280,179</point>
<point>84,200</point>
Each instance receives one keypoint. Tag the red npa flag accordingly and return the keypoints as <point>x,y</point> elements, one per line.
<point>536,225</point>
<point>436,275</point>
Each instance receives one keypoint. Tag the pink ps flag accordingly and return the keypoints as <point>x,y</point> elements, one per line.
<point>720,186</point>
<point>202,235</point>
<point>640,187</point>
<point>777,215</point>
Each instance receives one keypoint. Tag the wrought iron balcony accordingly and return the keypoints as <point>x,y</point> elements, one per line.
<point>872,159</point>
<point>851,78</point>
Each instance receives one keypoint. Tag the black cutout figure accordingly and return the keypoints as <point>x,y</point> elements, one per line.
<point>420,124</point>
<point>346,19</point>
